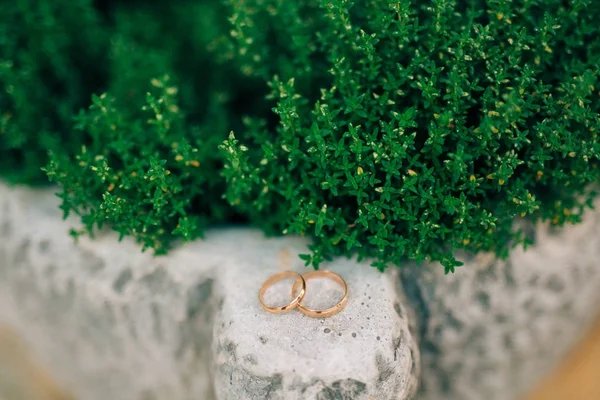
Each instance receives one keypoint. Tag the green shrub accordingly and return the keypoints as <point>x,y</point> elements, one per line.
<point>51,58</point>
<point>388,129</point>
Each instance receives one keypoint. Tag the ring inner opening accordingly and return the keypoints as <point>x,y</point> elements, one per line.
<point>278,294</point>
<point>321,293</point>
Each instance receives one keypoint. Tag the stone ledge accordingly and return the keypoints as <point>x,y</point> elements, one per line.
<point>366,350</point>
<point>114,323</point>
<point>494,328</point>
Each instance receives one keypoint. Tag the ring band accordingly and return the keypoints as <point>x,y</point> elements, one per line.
<point>329,311</point>
<point>276,278</point>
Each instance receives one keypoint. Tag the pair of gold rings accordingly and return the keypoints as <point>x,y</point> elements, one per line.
<point>299,290</point>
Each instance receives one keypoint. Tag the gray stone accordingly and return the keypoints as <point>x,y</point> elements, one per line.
<point>111,322</point>
<point>108,321</point>
<point>364,352</point>
<point>494,328</point>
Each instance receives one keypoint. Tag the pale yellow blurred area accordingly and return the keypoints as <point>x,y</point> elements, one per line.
<point>578,377</point>
<point>22,378</point>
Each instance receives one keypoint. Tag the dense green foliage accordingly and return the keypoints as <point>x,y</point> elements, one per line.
<point>388,129</point>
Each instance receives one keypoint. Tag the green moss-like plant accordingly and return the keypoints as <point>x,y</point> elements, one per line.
<point>387,129</point>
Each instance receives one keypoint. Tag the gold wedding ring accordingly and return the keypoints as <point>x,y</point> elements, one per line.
<point>300,283</point>
<point>326,312</point>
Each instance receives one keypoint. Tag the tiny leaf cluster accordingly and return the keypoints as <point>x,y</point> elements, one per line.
<point>388,129</point>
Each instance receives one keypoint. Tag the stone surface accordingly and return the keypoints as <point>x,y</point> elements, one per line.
<point>364,352</point>
<point>494,328</point>
<point>113,323</point>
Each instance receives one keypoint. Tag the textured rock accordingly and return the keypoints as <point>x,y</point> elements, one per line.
<point>364,352</point>
<point>495,327</point>
<point>110,322</point>
<point>113,323</point>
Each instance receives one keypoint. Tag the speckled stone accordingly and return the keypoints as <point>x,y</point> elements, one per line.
<point>364,352</point>
<point>494,328</point>
<point>107,321</point>
<point>111,322</point>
